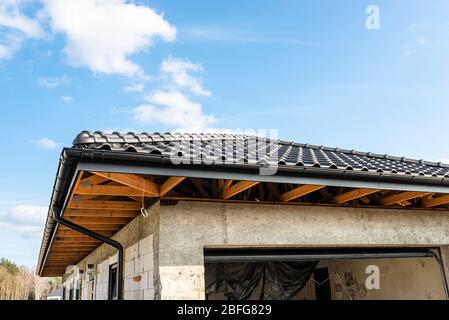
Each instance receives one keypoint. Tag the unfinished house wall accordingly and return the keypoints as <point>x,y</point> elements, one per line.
<point>400,278</point>
<point>186,228</point>
<point>139,239</point>
<point>410,278</point>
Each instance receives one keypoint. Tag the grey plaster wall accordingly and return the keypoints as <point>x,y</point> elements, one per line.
<point>188,227</point>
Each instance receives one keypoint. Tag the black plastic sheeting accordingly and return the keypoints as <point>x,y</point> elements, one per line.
<point>281,280</point>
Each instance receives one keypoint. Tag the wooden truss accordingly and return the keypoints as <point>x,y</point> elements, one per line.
<point>106,202</point>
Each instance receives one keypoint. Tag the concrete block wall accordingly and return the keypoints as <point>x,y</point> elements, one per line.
<point>139,270</point>
<point>101,281</point>
<point>139,239</point>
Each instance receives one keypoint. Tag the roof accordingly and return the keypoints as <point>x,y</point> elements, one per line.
<point>290,154</point>
<point>370,178</point>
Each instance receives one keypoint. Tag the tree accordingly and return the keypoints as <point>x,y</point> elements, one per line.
<point>20,283</point>
<point>9,265</point>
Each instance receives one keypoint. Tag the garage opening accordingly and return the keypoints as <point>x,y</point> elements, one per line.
<point>324,274</point>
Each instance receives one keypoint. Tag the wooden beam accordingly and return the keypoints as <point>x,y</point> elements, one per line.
<point>405,203</point>
<point>220,183</point>
<point>69,254</point>
<point>273,194</point>
<point>299,192</point>
<point>98,226</point>
<point>108,190</point>
<point>74,243</point>
<point>69,232</point>
<point>76,246</point>
<point>365,200</point>
<point>437,201</point>
<point>261,192</point>
<point>77,252</point>
<point>95,220</point>
<point>213,187</point>
<point>105,205</point>
<point>147,187</point>
<point>354,194</point>
<point>238,187</point>
<point>92,180</point>
<point>400,197</point>
<point>78,239</point>
<point>59,259</point>
<point>100,213</point>
<point>227,183</point>
<point>198,183</point>
<point>169,184</point>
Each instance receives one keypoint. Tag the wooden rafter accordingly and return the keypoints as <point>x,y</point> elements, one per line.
<point>261,191</point>
<point>169,184</point>
<point>98,226</point>
<point>434,202</point>
<point>198,183</point>
<point>66,232</point>
<point>274,193</point>
<point>354,194</point>
<point>147,187</point>
<point>60,259</point>
<point>94,220</point>
<point>75,252</point>
<point>401,197</point>
<point>74,244</point>
<point>108,190</point>
<point>237,188</point>
<point>106,202</point>
<point>299,192</point>
<point>100,213</point>
<point>92,180</point>
<point>227,184</point>
<point>67,255</point>
<point>105,205</point>
<point>77,239</point>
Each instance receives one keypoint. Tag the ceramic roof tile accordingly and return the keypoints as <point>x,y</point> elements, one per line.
<point>237,147</point>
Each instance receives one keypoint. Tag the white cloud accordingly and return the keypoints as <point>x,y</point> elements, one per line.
<point>24,230</point>
<point>67,99</point>
<point>29,214</point>
<point>103,34</point>
<point>17,27</point>
<point>53,82</point>
<point>11,44</point>
<point>135,87</point>
<point>178,70</point>
<point>46,143</point>
<point>11,17</point>
<point>238,35</point>
<point>174,110</point>
<point>171,105</point>
<point>28,220</point>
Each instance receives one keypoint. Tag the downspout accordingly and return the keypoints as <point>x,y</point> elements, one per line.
<point>103,239</point>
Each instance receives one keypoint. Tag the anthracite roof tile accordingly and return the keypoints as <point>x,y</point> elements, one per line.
<point>235,147</point>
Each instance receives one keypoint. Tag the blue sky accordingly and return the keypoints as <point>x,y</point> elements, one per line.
<point>310,69</point>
